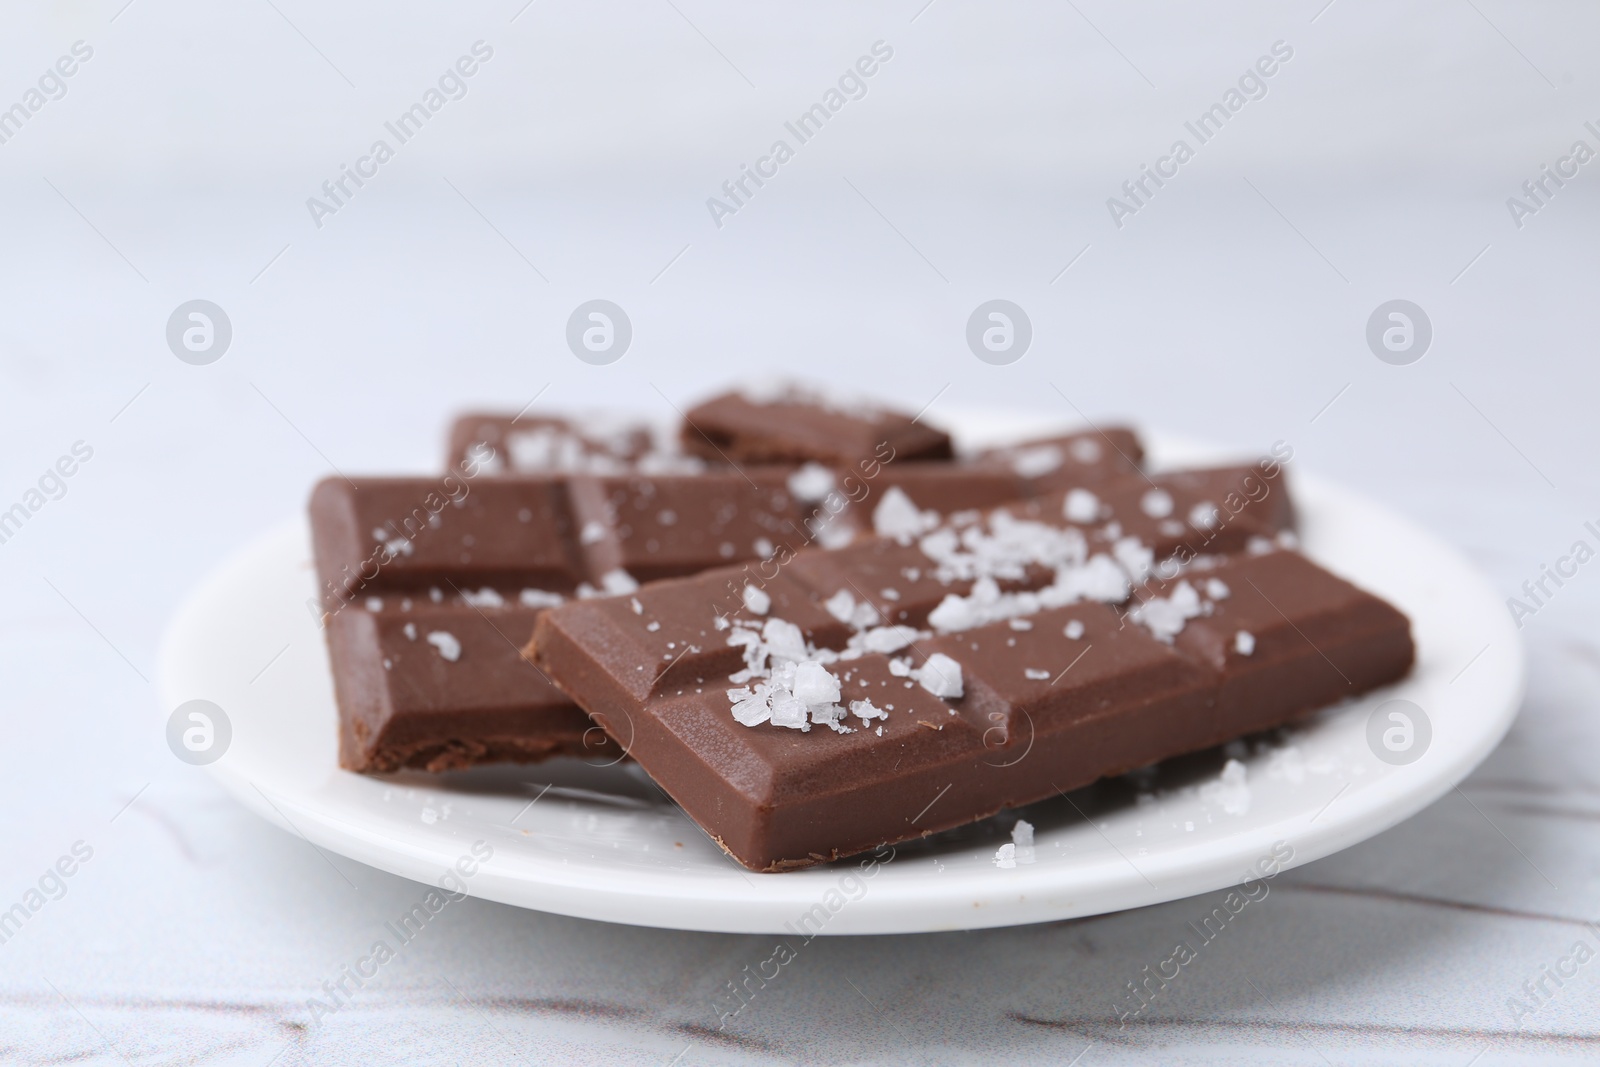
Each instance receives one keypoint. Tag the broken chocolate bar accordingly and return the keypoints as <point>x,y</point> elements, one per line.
<point>468,567</point>
<point>901,687</point>
<point>438,687</point>
<point>791,424</point>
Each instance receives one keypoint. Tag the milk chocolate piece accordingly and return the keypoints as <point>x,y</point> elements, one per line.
<point>796,425</point>
<point>473,560</point>
<point>440,687</point>
<point>1050,699</point>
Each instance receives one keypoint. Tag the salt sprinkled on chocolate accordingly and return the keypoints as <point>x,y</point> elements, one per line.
<point>757,600</point>
<point>940,676</point>
<point>1156,503</point>
<point>1081,506</point>
<point>897,516</point>
<point>1036,461</point>
<point>1074,630</point>
<point>483,598</point>
<point>811,483</point>
<point>1244,643</point>
<point>447,644</point>
<point>538,598</point>
<point>1165,617</point>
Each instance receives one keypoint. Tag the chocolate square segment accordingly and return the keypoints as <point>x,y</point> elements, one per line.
<point>445,533</point>
<point>665,526</point>
<point>1286,636</point>
<point>794,425</point>
<point>438,688</point>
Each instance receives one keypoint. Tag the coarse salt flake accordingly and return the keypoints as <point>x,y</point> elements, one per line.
<point>1156,503</point>
<point>941,676</point>
<point>1244,643</point>
<point>446,642</point>
<point>756,599</point>
<point>1081,506</point>
<point>811,482</point>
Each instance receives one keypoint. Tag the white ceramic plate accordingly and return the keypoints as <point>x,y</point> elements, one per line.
<point>605,843</point>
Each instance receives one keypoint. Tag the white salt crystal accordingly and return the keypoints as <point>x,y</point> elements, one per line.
<point>1156,503</point>
<point>617,582</point>
<point>813,684</point>
<point>446,643</point>
<point>1006,857</point>
<point>1022,834</point>
<point>811,483</point>
<point>889,638</point>
<point>538,598</point>
<point>1074,630</point>
<point>757,600</point>
<point>483,598</point>
<point>593,531</point>
<point>1035,461</point>
<point>840,605</point>
<point>941,676</point>
<point>899,517</point>
<point>788,711</point>
<point>1244,643</point>
<point>1085,450</point>
<point>1217,589</point>
<point>1203,516</point>
<point>784,640</point>
<point>1081,506</point>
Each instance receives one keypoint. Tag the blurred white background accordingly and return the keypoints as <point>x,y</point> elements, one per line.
<point>1232,307</point>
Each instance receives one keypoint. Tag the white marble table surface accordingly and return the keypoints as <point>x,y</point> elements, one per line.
<point>1232,308</point>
